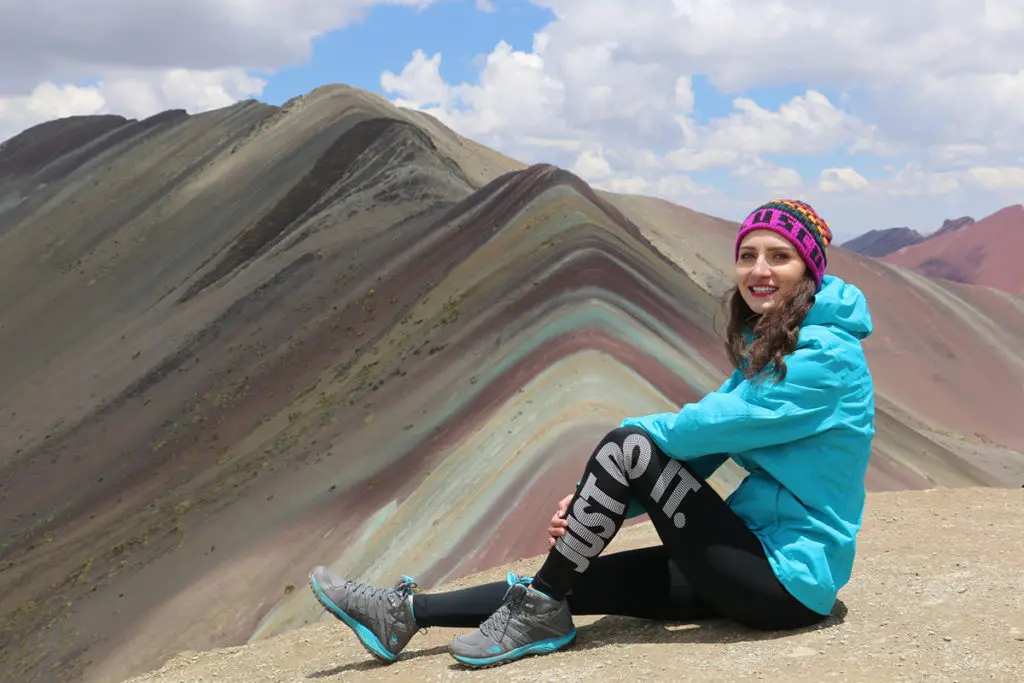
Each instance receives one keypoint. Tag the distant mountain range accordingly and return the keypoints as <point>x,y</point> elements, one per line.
<point>885,241</point>
<point>985,252</point>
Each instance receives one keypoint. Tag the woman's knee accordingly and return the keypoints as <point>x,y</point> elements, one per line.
<point>629,440</point>
<point>625,453</point>
<point>620,434</point>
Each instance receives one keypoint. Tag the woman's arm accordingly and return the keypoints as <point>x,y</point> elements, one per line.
<point>754,414</point>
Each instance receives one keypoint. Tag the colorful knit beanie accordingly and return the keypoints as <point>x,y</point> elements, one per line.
<point>798,223</point>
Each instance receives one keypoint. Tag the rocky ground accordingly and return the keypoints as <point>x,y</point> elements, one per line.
<point>937,595</point>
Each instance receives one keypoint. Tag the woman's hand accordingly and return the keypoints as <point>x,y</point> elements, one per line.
<point>558,522</point>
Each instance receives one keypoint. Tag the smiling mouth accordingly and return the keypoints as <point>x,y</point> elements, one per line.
<point>763,291</point>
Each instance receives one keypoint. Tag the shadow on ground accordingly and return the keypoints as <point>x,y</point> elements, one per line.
<point>616,630</point>
<point>371,662</point>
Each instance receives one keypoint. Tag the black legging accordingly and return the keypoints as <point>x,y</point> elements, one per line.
<point>711,565</point>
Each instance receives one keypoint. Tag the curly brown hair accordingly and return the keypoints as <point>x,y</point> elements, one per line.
<point>775,332</point>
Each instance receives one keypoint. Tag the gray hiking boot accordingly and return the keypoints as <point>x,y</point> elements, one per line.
<point>528,623</point>
<point>381,618</point>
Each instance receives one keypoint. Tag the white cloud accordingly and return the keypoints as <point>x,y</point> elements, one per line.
<point>692,159</point>
<point>997,178</point>
<point>515,96</point>
<point>841,180</point>
<point>684,94</point>
<point>147,55</point>
<point>585,100</point>
<point>51,101</point>
<point>592,164</point>
<point>605,89</point>
<point>547,103</point>
<point>957,154</point>
<point>135,95</point>
<point>807,124</point>
<point>745,43</point>
<point>585,93</point>
<point>971,108</point>
<point>913,180</point>
<point>934,87</point>
<point>68,40</point>
<point>419,85</point>
<point>769,176</point>
<point>678,186</point>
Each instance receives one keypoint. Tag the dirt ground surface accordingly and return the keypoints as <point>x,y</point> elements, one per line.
<point>937,595</point>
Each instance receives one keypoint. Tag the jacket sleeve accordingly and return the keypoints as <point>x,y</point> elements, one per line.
<point>754,414</point>
<point>703,466</point>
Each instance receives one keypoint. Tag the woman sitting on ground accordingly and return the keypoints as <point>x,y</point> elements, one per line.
<point>797,414</point>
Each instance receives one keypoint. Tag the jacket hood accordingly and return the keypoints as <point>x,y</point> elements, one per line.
<point>840,304</point>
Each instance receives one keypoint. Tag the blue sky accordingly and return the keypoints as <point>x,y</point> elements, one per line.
<point>937,127</point>
<point>385,40</point>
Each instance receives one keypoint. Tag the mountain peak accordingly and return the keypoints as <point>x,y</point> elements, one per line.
<point>884,241</point>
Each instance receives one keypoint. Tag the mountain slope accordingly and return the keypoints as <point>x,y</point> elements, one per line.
<point>882,242</point>
<point>984,253</point>
<point>885,241</point>
<point>241,343</point>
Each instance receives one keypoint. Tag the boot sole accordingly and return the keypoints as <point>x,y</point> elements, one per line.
<point>541,647</point>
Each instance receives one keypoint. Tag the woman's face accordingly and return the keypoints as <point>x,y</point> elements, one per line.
<point>767,262</point>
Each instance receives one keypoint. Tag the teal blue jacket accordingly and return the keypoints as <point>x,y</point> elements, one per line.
<point>805,442</point>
